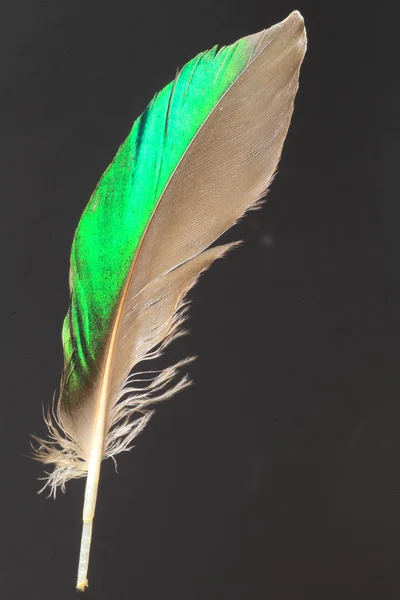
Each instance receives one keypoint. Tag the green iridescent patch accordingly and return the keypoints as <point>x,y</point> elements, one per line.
<point>119,210</point>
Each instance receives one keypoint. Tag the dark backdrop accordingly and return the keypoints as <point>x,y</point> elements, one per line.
<point>277,475</point>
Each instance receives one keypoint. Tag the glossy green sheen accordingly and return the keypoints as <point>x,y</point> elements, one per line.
<point>116,216</point>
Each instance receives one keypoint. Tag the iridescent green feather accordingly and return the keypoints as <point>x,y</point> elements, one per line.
<point>120,208</point>
<point>202,154</point>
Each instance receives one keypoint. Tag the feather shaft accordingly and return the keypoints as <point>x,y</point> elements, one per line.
<point>96,455</point>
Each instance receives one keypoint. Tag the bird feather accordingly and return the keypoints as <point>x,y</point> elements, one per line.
<point>202,153</point>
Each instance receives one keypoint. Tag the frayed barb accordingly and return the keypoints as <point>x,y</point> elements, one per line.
<point>59,449</point>
<point>129,414</point>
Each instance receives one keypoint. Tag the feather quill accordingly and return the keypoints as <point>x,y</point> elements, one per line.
<point>203,152</point>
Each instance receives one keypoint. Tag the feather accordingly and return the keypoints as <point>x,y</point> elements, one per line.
<point>202,153</point>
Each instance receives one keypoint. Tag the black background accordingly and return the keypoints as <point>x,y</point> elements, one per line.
<point>277,475</point>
